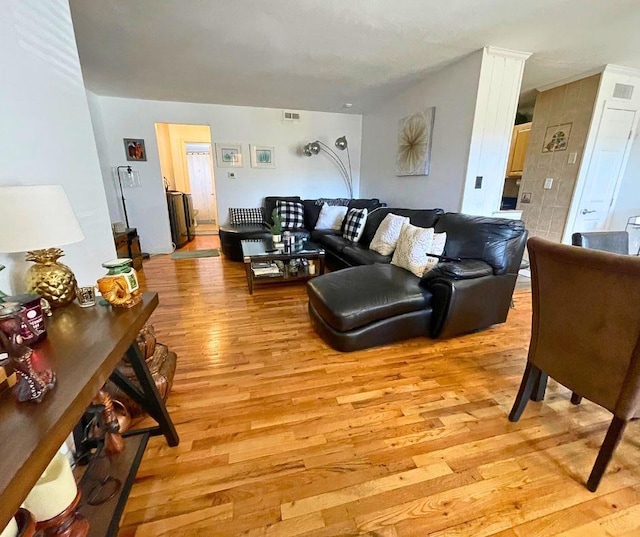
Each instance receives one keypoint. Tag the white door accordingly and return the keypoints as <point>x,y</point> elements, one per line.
<point>201,181</point>
<point>614,135</point>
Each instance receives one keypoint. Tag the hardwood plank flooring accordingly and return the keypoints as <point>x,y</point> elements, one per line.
<point>283,436</point>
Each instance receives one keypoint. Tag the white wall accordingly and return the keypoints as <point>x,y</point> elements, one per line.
<point>46,135</point>
<point>294,174</point>
<point>113,200</point>
<point>497,100</point>
<point>475,100</point>
<point>453,92</point>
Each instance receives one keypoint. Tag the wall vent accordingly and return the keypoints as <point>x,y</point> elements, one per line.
<point>290,116</point>
<point>623,91</point>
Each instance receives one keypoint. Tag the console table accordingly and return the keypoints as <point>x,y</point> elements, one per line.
<point>83,347</point>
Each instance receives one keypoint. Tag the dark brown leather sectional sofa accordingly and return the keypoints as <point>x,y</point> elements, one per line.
<point>365,301</point>
<point>231,235</point>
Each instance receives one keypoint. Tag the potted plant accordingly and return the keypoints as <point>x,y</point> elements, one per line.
<point>276,227</point>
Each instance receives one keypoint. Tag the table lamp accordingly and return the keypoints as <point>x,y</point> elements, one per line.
<point>36,220</point>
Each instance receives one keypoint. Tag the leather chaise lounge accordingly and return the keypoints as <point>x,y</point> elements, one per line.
<point>376,303</point>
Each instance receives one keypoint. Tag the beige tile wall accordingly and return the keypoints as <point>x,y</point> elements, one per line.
<point>572,103</point>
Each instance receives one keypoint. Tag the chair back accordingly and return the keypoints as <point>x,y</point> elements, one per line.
<point>586,322</point>
<point>616,242</point>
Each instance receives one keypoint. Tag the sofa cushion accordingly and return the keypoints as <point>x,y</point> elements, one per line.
<point>291,214</point>
<point>335,243</point>
<point>357,296</point>
<point>356,254</point>
<point>365,203</point>
<point>387,235</point>
<point>331,217</point>
<point>354,224</point>
<point>480,237</point>
<point>417,217</point>
<point>270,204</point>
<point>245,231</point>
<point>412,248</point>
<point>333,202</point>
<point>317,234</point>
<point>246,216</point>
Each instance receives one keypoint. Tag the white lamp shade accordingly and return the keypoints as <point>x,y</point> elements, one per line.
<point>36,217</point>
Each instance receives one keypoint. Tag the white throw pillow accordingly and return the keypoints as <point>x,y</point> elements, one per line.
<point>387,235</point>
<point>412,248</point>
<point>331,217</point>
<point>437,247</point>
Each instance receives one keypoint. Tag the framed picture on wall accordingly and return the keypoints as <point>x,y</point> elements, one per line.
<point>229,155</point>
<point>415,134</point>
<point>556,138</point>
<point>262,156</point>
<point>134,149</point>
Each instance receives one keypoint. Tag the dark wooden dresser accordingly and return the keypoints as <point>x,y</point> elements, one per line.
<point>128,245</point>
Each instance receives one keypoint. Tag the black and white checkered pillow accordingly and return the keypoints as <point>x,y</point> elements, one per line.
<point>354,224</point>
<point>246,216</point>
<point>291,214</point>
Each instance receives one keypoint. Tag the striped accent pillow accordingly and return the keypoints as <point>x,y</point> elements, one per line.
<point>245,216</point>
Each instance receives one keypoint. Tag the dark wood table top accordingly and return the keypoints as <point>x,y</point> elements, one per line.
<point>83,346</point>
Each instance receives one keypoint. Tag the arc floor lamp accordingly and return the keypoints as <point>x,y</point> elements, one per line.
<point>313,148</point>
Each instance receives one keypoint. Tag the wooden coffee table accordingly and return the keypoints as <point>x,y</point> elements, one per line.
<point>260,256</point>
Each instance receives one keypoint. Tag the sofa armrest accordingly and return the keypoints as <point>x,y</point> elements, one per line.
<point>468,305</point>
<point>463,269</point>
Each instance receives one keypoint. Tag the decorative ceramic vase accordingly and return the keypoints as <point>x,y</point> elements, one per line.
<point>120,286</point>
<point>50,279</point>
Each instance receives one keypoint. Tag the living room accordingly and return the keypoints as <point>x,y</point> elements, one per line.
<point>280,434</point>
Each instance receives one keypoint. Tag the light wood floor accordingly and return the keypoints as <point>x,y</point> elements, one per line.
<point>282,436</point>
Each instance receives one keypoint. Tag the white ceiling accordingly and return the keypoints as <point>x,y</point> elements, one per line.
<point>320,54</point>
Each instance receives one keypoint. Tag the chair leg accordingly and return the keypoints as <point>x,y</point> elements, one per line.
<point>540,388</point>
<point>614,433</point>
<point>575,398</point>
<point>530,378</point>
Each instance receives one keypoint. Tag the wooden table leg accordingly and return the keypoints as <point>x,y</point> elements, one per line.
<point>321,258</point>
<point>249,273</point>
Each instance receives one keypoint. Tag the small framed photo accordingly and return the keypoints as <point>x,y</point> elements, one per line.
<point>262,156</point>
<point>526,197</point>
<point>556,138</point>
<point>229,155</point>
<point>134,149</point>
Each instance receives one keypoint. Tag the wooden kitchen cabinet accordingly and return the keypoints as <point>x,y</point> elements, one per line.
<point>518,149</point>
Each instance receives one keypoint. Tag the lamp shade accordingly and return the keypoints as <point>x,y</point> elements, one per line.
<point>36,217</point>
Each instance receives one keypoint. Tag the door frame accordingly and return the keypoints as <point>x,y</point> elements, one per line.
<point>213,177</point>
<point>585,165</point>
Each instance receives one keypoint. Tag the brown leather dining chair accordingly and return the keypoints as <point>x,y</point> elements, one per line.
<point>585,334</point>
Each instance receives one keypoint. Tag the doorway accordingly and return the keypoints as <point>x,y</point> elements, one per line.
<point>615,134</point>
<point>200,174</point>
<point>186,165</point>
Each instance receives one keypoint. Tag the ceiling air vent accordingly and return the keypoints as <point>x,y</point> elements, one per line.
<point>290,116</point>
<point>623,91</point>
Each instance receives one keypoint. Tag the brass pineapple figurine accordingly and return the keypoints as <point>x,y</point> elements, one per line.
<point>50,279</point>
